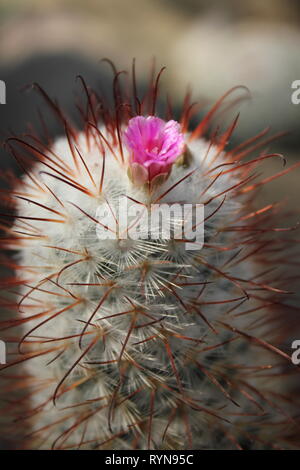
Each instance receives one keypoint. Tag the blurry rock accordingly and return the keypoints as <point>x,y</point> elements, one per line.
<point>266,10</point>
<point>214,55</point>
<point>56,73</point>
<point>116,29</point>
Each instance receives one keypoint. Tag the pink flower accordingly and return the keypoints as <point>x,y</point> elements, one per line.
<point>154,145</point>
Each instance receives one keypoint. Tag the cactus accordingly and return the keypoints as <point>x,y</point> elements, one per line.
<point>140,343</point>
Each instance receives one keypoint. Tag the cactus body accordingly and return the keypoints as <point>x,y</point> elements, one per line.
<point>142,343</point>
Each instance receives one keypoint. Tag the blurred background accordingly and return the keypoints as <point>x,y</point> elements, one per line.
<point>209,45</point>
